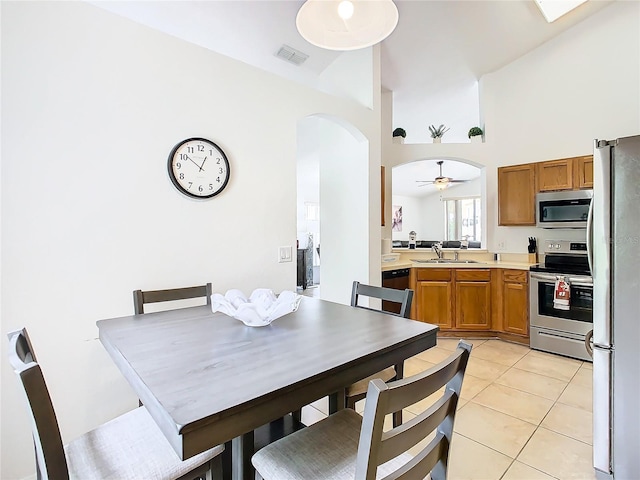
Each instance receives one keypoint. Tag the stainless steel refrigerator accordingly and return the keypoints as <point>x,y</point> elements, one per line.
<point>614,252</point>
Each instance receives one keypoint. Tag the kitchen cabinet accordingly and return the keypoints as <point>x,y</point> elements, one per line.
<point>515,301</point>
<point>516,195</point>
<point>473,299</point>
<point>433,296</point>
<point>583,172</point>
<point>555,175</point>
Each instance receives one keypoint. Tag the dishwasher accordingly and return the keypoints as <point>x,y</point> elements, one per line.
<point>398,279</point>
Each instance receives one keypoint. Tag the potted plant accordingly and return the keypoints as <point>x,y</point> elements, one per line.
<point>399,135</point>
<point>437,133</point>
<point>475,134</point>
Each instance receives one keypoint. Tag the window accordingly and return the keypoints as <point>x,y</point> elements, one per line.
<point>462,219</point>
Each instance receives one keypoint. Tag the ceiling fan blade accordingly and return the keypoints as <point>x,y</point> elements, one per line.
<point>458,181</point>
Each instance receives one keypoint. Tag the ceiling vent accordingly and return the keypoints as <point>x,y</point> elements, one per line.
<point>292,55</point>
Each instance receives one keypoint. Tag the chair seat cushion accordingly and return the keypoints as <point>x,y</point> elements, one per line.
<point>361,386</point>
<point>326,450</point>
<point>129,447</point>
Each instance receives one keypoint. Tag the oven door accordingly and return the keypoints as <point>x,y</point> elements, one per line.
<point>577,320</point>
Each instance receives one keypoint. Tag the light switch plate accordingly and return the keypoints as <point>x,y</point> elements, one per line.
<point>284,254</point>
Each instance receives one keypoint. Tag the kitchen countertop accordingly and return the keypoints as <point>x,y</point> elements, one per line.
<point>386,266</point>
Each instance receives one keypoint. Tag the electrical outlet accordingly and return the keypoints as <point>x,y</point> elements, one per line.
<point>284,254</point>
<point>502,245</point>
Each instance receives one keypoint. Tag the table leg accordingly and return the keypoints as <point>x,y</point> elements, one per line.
<point>336,401</point>
<point>242,450</point>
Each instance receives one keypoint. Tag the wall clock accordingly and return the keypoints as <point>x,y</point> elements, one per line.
<point>198,168</point>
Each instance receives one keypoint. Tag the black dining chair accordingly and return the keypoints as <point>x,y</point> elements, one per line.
<point>130,446</point>
<point>141,298</point>
<point>346,445</point>
<point>404,298</point>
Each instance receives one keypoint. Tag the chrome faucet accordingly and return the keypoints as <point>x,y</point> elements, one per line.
<point>437,247</point>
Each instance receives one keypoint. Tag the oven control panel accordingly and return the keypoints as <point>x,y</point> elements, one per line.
<point>565,246</point>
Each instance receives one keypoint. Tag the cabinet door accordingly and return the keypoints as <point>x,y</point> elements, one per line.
<point>555,175</point>
<point>516,195</point>
<point>516,308</point>
<point>434,300</point>
<point>583,172</point>
<point>473,305</point>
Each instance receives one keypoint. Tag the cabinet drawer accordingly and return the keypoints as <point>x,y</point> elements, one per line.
<point>442,274</point>
<point>515,276</point>
<point>475,275</point>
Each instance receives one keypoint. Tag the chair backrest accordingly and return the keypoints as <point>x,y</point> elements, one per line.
<point>50,458</point>
<point>403,297</point>
<point>377,447</point>
<point>140,298</point>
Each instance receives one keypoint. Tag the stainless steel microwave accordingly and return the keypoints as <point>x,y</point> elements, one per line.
<point>568,209</point>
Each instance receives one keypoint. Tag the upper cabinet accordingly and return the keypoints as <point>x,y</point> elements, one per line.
<point>583,172</point>
<point>516,195</point>
<point>555,175</point>
<point>518,184</point>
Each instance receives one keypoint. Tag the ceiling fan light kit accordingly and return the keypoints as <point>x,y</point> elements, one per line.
<point>346,24</point>
<point>440,182</point>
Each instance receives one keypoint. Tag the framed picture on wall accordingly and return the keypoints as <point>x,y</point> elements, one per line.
<point>396,225</point>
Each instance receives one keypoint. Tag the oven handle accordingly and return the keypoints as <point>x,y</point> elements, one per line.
<point>577,281</point>
<point>588,343</point>
<point>569,339</point>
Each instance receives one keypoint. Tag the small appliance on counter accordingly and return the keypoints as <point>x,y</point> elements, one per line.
<point>412,240</point>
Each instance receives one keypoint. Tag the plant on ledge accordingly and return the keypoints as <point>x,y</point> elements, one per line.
<point>475,131</point>
<point>399,132</point>
<point>438,132</point>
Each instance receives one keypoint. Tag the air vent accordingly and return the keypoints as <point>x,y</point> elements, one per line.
<point>291,55</point>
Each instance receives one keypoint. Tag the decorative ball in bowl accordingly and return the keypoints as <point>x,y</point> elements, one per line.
<point>260,309</point>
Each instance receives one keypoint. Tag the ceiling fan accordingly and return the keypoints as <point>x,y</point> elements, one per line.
<point>440,182</point>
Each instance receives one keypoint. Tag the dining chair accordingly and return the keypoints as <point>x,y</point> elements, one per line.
<point>346,445</point>
<point>130,446</point>
<point>141,298</point>
<point>358,390</point>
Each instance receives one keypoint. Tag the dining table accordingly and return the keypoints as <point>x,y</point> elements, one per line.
<point>206,378</point>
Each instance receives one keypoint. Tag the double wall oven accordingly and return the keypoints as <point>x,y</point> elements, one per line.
<point>553,329</point>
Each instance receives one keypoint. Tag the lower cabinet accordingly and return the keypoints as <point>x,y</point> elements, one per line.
<point>473,299</point>
<point>515,302</point>
<point>433,297</point>
<point>477,301</point>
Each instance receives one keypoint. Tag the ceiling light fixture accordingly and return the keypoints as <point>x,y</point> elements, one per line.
<point>554,9</point>
<point>346,24</point>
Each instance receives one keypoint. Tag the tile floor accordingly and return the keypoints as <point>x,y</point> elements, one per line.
<point>523,414</point>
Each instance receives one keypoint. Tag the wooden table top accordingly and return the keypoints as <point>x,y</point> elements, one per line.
<point>210,378</point>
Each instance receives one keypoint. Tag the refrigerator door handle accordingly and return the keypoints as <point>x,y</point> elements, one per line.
<point>588,343</point>
<point>590,237</point>
<point>602,409</point>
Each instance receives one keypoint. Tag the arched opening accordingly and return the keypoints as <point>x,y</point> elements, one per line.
<point>333,182</point>
<point>451,209</point>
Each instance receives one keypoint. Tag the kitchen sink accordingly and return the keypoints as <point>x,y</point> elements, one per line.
<point>445,260</point>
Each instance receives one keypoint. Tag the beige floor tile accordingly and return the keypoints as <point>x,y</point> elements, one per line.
<point>549,365</point>
<point>472,386</point>
<point>587,365</point>
<point>500,352</point>
<point>311,415</point>
<point>570,421</point>
<point>520,471</point>
<point>583,377</point>
<point>470,460</point>
<point>414,365</point>
<point>577,396</point>
<point>522,405</point>
<point>322,405</point>
<point>485,369</point>
<point>434,355</point>
<point>546,387</point>
<point>496,430</point>
<point>557,455</point>
<point>447,343</point>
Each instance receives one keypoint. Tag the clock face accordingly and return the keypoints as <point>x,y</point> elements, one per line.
<point>198,168</point>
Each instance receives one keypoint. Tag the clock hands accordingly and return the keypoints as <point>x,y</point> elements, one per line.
<point>205,159</point>
<point>192,161</point>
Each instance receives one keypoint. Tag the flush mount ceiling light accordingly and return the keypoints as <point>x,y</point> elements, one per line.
<point>346,24</point>
<point>554,9</point>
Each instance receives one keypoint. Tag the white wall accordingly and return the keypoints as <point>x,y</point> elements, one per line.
<point>550,104</point>
<point>412,217</point>
<point>92,105</point>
